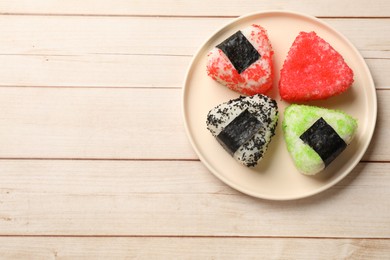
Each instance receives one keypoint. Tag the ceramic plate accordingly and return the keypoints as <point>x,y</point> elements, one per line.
<point>276,177</point>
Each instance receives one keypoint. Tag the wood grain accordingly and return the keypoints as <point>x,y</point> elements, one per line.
<point>87,123</point>
<point>111,51</point>
<point>198,8</point>
<point>94,70</point>
<point>63,35</point>
<point>92,123</point>
<point>191,248</point>
<point>175,198</point>
<point>95,162</point>
<point>107,71</point>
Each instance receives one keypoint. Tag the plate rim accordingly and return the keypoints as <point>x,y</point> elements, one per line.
<point>371,128</point>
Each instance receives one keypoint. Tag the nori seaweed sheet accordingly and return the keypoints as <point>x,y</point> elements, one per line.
<point>324,140</point>
<point>240,51</point>
<point>239,131</point>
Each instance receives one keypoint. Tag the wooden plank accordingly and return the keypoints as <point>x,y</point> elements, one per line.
<point>208,8</point>
<point>191,248</point>
<point>87,51</point>
<point>114,123</point>
<point>93,70</point>
<point>92,123</point>
<point>63,35</point>
<point>176,198</point>
<point>117,71</point>
<point>378,68</point>
<point>378,149</point>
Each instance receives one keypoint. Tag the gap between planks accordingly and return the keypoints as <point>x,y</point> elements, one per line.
<point>196,236</point>
<point>99,159</point>
<point>127,159</point>
<point>117,87</point>
<point>179,16</point>
<point>95,87</point>
<point>107,53</point>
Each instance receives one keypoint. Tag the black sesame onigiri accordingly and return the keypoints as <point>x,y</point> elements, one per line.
<point>244,126</point>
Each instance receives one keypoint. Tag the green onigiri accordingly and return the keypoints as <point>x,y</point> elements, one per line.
<point>316,136</point>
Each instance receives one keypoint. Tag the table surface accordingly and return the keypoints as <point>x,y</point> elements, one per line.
<point>95,161</point>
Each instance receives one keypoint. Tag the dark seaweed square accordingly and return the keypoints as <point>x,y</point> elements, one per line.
<point>324,140</point>
<point>239,131</point>
<point>240,51</point>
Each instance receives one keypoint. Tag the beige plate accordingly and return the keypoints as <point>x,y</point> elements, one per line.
<point>276,177</point>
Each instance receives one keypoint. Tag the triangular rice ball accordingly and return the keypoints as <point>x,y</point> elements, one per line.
<point>316,136</point>
<point>243,61</point>
<point>244,126</point>
<point>313,70</point>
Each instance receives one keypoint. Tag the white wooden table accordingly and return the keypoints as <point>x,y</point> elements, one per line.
<point>94,160</point>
